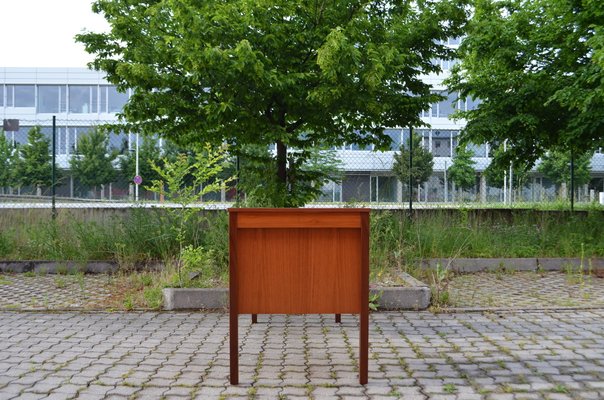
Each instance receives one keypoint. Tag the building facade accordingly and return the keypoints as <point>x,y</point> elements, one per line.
<point>81,99</point>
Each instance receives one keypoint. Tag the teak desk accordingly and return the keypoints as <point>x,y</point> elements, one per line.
<point>299,261</point>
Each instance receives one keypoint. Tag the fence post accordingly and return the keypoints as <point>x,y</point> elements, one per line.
<point>54,162</point>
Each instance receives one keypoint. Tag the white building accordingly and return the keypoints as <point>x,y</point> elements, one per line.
<point>80,98</point>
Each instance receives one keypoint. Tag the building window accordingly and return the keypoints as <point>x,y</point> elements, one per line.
<point>115,100</point>
<point>479,150</point>
<point>441,143</point>
<point>447,106</point>
<point>20,96</point>
<point>51,99</point>
<point>355,188</point>
<point>395,137</point>
<point>1,95</point>
<point>472,103</point>
<point>83,99</point>
<point>383,189</point>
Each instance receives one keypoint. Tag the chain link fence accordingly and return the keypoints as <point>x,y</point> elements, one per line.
<point>367,176</point>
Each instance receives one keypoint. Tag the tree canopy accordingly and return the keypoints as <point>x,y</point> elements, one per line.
<point>7,162</point>
<point>462,171</point>
<point>422,166</point>
<point>93,163</point>
<point>537,66</point>
<point>291,72</point>
<point>555,165</point>
<point>34,165</point>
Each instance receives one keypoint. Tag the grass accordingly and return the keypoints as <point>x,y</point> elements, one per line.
<point>138,237</point>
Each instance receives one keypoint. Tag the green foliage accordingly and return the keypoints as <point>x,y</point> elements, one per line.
<point>309,170</point>
<point>555,165</point>
<point>197,270</point>
<point>295,73</point>
<point>34,166</point>
<point>179,181</point>
<point>462,172</point>
<point>423,163</point>
<point>93,163</point>
<point>537,66</point>
<point>497,170</point>
<point>7,162</point>
<point>148,152</point>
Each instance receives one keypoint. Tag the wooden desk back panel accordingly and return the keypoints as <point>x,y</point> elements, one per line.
<point>297,264</point>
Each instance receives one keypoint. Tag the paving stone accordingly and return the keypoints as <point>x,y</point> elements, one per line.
<point>500,350</point>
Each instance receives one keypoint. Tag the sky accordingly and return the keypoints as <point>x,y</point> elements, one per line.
<point>40,33</point>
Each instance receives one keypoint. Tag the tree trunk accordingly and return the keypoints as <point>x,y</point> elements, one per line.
<point>281,162</point>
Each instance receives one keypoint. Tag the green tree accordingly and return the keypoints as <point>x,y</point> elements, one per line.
<point>148,153</point>
<point>8,159</point>
<point>179,181</point>
<point>423,164</point>
<point>497,170</point>
<point>462,172</point>
<point>261,72</point>
<point>93,163</point>
<point>34,165</point>
<point>314,168</point>
<point>555,165</point>
<point>537,66</point>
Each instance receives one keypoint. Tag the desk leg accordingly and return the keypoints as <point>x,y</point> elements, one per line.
<point>338,318</point>
<point>254,318</point>
<point>364,347</point>
<point>234,347</point>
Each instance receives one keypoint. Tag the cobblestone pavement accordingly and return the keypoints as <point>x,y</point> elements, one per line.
<point>48,292</point>
<point>526,290</point>
<point>413,355</point>
<point>515,290</point>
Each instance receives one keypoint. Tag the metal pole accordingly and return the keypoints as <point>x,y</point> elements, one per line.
<point>136,173</point>
<point>572,180</point>
<point>446,184</point>
<point>505,177</point>
<point>54,161</point>
<point>410,172</point>
<point>511,184</point>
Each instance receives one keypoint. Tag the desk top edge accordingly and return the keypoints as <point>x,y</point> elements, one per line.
<point>300,210</point>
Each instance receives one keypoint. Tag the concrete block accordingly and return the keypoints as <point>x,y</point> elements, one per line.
<point>415,295</point>
<point>16,266</point>
<point>186,299</point>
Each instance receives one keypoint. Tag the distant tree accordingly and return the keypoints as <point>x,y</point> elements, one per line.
<point>555,165</point>
<point>423,163</point>
<point>148,152</point>
<point>538,68</point>
<point>462,171</point>
<point>93,163</point>
<point>498,170</point>
<point>8,157</point>
<point>34,165</point>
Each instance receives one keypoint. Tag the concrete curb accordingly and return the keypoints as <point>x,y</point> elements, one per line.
<point>195,299</point>
<point>58,267</point>
<point>469,265</point>
<point>415,296</point>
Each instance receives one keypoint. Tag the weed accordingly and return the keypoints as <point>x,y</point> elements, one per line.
<point>559,388</point>
<point>128,303</point>
<point>449,388</point>
<point>153,297</point>
<point>29,274</point>
<point>374,299</point>
<point>59,282</point>
<point>4,281</point>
